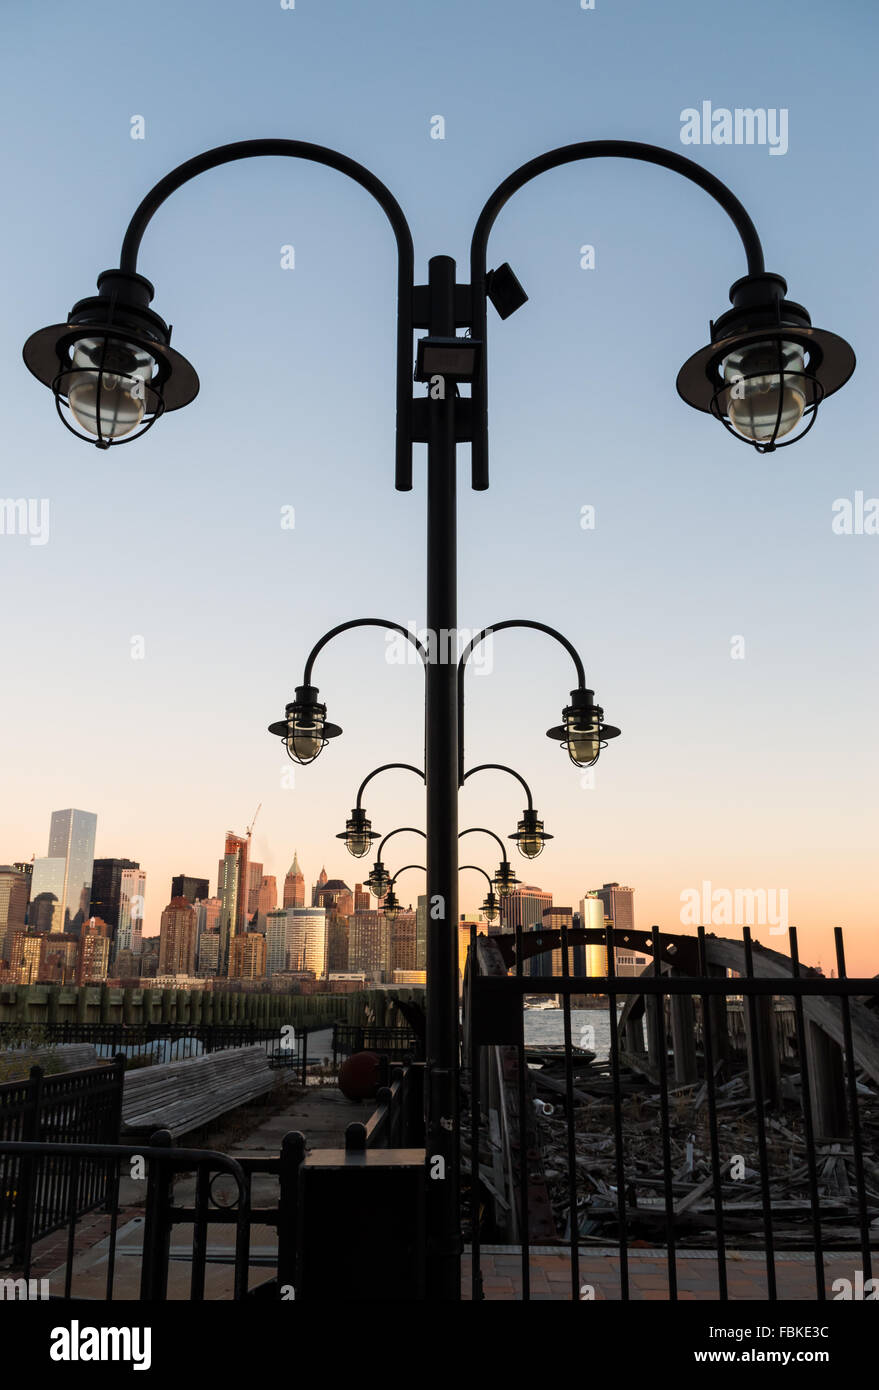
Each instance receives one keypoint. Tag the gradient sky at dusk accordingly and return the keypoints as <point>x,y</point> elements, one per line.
<point>750,773</point>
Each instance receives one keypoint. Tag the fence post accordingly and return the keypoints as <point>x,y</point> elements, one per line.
<point>292,1154</point>
<point>157,1227</point>
<point>23,1233</point>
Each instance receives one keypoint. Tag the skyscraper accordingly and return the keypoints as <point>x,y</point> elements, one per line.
<point>14,892</point>
<point>233,892</point>
<point>321,883</point>
<point>294,885</point>
<point>177,939</point>
<point>247,960</point>
<point>254,878</point>
<point>619,905</point>
<point>592,916</point>
<point>279,936</point>
<point>106,892</point>
<point>308,941</point>
<point>369,946</point>
<point>62,882</point>
<point>184,886</point>
<point>132,895</point>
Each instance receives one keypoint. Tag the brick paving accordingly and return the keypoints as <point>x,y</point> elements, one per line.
<point>550,1269</point>
<point>697,1274</point>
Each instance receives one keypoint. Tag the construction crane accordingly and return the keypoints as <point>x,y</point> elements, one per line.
<point>253,822</point>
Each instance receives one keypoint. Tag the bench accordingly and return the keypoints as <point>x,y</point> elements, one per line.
<point>183,1096</point>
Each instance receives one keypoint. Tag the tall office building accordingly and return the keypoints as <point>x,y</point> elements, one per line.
<point>321,883</point>
<point>338,933</point>
<point>279,938</point>
<point>207,918</point>
<point>619,905</point>
<point>14,893</point>
<point>254,877</point>
<point>592,917</point>
<point>421,932</point>
<point>192,889</point>
<point>335,895</point>
<point>247,960</point>
<point>233,892</point>
<point>524,907</point>
<point>94,955</point>
<point>369,944</point>
<point>403,941</point>
<point>132,897</point>
<point>550,962</point>
<point>62,882</point>
<point>308,942</point>
<point>294,885</point>
<point>361,898</point>
<point>177,939</point>
<point>266,897</point>
<point>26,955</point>
<point>209,953</point>
<point>106,893</point>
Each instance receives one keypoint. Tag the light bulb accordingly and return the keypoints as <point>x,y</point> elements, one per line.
<point>755,387</point>
<point>107,388</point>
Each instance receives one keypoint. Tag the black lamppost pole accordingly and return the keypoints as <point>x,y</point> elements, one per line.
<point>765,369</point>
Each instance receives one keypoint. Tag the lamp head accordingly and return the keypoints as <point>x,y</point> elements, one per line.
<point>766,369</point>
<point>110,367</point>
<point>304,730</point>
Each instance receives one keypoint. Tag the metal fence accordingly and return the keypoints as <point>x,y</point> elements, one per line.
<point>669,1042</point>
<point>37,1198</point>
<point>401,1044</point>
<point>165,1042</point>
<point>190,1234</point>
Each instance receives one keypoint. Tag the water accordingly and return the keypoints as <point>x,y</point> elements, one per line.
<point>589,1028</point>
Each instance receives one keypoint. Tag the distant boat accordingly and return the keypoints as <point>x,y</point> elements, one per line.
<point>540,1001</point>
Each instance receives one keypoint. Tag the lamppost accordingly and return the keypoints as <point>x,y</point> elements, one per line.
<point>764,374</point>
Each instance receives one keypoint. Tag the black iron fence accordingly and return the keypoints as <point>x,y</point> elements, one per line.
<point>164,1042</point>
<point>668,1140</point>
<point>400,1044</point>
<point>37,1198</point>
<point>180,1222</point>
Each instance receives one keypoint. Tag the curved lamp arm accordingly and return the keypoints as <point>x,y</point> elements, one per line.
<point>399,831</point>
<point>567,154</point>
<point>386,767</point>
<point>359,622</point>
<point>476,869</point>
<point>501,767</point>
<point>403,870</point>
<point>481,830</point>
<point>462,664</point>
<point>318,154</point>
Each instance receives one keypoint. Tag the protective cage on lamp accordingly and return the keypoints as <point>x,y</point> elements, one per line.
<point>583,733</point>
<point>766,370</point>
<point>110,367</point>
<point>304,730</point>
<point>358,834</point>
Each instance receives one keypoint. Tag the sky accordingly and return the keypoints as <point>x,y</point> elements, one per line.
<point>725,627</point>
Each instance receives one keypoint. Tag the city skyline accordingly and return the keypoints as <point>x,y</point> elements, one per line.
<point>721,607</point>
<point>131,878</point>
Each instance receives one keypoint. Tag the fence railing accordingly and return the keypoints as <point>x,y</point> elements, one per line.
<point>196,1210</point>
<point>73,1107</point>
<point>165,1042</point>
<point>398,1043</point>
<point>669,1050</point>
